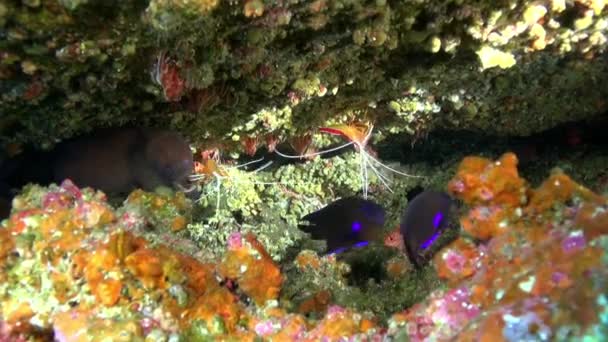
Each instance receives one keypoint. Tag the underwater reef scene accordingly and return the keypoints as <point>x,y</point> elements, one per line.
<point>531,263</point>
<point>303,170</point>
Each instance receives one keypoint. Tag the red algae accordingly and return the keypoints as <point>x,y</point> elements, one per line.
<point>165,213</point>
<point>293,328</point>
<point>398,267</point>
<point>457,261</point>
<point>308,259</point>
<point>78,326</point>
<point>100,263</point>
<point>6,245</point>
<point>494,188</point>
<point>557,190</point>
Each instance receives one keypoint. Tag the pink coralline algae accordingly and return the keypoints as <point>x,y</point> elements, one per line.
<point>132,221</point>
<point>62,196</point>
<point>53,199</point>
<point>574,242</point>
<point>442,316</point>
<point>234,241</point>
<point>264,328</point>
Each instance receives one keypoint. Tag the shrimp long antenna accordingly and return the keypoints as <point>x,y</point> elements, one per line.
<point>247,163</point>
<point>224,173</point>
<point>367,159</point>
<point>315,153</point>
<point>218,185</point>
<point>363,173</point>
<point>379,174</point>
<point>263,167</point>
<point>390,168</point>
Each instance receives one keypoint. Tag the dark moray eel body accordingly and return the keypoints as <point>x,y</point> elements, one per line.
<point>5,200</point>
<point>121,160</point>
<point>116,161</point>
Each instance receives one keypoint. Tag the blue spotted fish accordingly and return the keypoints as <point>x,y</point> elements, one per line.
<point>346,223</point>
<point>424,220</point>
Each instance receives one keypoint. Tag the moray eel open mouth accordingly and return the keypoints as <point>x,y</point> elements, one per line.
<point>187,190</point>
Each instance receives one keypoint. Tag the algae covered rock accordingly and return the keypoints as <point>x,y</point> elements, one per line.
<point>223,71</point>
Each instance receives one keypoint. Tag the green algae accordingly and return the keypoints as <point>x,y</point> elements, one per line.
<point>270,204</point>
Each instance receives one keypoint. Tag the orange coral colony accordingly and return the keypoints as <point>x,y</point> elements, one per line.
<point>251,267</point>
<point>537,259</point>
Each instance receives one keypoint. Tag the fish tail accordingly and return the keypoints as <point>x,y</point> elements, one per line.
<point>6,196</point>
<point>8,167</point>
<point>26,168</point>
<point>413,256</point>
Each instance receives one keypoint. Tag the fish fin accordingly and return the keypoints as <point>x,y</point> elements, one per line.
<point>316,232</point>
<point>313,217</point>
<point>337,250</point>
<point>412,256</point>
<point>334,247</point>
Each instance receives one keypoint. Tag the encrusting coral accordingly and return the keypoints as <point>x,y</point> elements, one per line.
<point>543,250</point>
<point>531,264</point>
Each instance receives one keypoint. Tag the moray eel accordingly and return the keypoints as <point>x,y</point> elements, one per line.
<point>117,161</point>
<point>345,223</point>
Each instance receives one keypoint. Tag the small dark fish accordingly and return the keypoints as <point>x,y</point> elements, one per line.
<point>116,160</point>
<point>423,222</point>
<point>345,223</point>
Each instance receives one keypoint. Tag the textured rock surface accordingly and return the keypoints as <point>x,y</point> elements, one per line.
<point>221,71</point>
